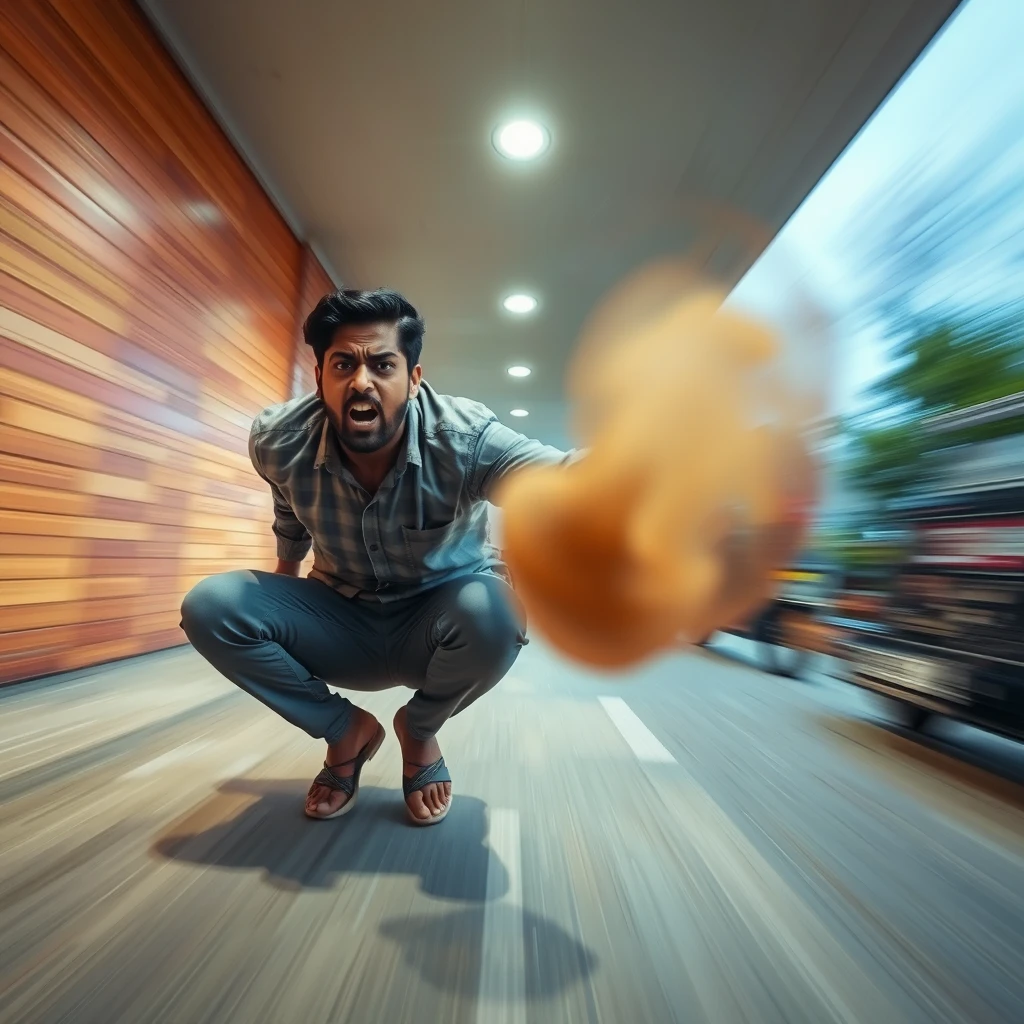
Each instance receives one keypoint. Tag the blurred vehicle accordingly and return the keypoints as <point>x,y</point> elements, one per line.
<point>948,637</point>
<point>790,629</point>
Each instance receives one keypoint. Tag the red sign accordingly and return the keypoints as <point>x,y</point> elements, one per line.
<point>975,544</point>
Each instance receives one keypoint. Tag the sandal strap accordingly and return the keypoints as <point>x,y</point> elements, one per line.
<point>344,783</point>
<point>341,783</point>
<point>428,773</point>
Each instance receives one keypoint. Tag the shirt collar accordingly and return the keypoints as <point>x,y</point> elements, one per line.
<point>324,447</point>
<point>411,449</point>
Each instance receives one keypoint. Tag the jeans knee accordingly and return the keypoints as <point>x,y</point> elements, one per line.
<point>484,621</point>
<point>209,603</point>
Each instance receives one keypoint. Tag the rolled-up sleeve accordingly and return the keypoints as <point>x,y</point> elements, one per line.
<point>501,451</point>
<point>293,540</point>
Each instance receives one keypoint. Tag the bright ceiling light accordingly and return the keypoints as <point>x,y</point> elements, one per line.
<point>519,412</point>
<point>521,140</point>
<point>519,371</point>
<point>520,304</point>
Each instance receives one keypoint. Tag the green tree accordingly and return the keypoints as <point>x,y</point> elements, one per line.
<point>944,368</point>
<point>941,248</point>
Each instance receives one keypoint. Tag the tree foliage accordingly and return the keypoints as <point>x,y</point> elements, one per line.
<point>942,247</point>
<point>949,367</point>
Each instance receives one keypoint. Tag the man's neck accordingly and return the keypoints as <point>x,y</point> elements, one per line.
<point>370,468</point>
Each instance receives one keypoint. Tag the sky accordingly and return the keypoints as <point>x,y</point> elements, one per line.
<point>965,91</point>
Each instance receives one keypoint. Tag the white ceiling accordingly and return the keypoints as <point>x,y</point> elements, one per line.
<point>370,123</point>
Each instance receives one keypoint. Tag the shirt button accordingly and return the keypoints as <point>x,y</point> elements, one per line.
<point>375,547</point>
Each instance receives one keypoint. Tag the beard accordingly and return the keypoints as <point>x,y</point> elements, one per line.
<point>363,440</point>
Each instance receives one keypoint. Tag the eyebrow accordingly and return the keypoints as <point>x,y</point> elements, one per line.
<point>373,355</point>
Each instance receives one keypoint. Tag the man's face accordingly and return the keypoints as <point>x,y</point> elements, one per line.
<point>366,386</point>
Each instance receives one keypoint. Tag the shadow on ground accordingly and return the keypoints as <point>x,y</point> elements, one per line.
<point>258,825</point>
<point>444,949</point>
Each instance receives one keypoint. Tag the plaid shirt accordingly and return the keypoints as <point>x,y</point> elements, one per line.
<point>428,523</point>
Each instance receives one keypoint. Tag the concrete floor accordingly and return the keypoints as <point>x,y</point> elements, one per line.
<point>700,842</point>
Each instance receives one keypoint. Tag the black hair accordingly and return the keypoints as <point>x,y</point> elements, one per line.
<point>349,306</point>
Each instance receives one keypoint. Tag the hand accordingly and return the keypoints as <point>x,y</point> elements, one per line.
<point>696,486</point>
<point>288,568</point>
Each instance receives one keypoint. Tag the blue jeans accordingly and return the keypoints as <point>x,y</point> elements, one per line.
<point>284,639</point>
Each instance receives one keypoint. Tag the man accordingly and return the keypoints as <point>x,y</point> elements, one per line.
<point>389,482</point>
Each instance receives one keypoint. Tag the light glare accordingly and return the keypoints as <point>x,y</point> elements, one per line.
<point>521,140</point>
<point>520,304</point>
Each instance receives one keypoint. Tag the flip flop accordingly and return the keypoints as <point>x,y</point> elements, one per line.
<point>346,783</point>
<point>428,773</point>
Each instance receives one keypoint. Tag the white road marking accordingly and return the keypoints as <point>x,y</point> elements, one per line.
<point>182,753</point>
<point>833,987</point>
<point>502,996</point>
<point>641,740</point>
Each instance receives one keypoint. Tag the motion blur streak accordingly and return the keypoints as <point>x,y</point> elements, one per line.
<point>696,483</point>
<point>795,862</point>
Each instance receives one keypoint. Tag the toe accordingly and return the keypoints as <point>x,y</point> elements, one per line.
<point>331,802</point>
<point>324,800</point>
<point>440,801</point>
<point>434,799</point>
<point>417,805</point>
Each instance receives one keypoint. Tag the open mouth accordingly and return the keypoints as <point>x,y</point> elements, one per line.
<point>363,414</point>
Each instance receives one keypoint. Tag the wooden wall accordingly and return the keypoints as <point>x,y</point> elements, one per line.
<point>149,297</point>
<point>314,283</point>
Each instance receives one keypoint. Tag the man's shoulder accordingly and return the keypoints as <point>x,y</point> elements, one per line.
<point>297,416</point>
<point>450,415</point>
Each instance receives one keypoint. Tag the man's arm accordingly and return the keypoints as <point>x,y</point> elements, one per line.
<point>293,540</point>
<point>501,451</point>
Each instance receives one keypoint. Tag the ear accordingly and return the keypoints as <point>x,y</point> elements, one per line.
<point>414,380</point>
<point>319,389</point>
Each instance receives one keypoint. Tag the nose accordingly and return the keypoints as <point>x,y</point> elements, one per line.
<point>361,380</point>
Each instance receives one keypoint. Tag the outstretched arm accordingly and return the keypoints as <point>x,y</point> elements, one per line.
<point>501,451</point>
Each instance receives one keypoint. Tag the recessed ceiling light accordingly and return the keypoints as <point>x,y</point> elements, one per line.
<point>520,304</point>
<point>519,412</point>
<point>519,371</point>
<point>521,140</point>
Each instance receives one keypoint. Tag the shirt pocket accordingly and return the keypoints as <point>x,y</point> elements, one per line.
<point>439,549</point>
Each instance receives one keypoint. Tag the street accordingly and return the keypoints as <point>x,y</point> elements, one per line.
<point>697,842</point>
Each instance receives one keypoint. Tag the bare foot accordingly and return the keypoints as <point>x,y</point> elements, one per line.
<point>433,798</point>
<point>322,800</point>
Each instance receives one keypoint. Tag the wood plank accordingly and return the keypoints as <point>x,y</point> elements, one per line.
<point>80,656</point>
<point>41,616</point>
<point>150,330</point>
<point>109,244</point>
<point>213,530</point>
<point>113,117</point>
<point>177,413</point>
<point>138,339</point>
<point>22,592</point>
<point>39,406</point>
<point>42,641</point>
<point>97,550</point>
<point>52,566</point>
<point>45,476</point>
